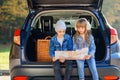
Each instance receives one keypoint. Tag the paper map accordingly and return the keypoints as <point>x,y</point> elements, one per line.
<point>72,55</point>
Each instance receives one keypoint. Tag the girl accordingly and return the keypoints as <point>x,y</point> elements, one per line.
<point>61,42</point>
<point>82,39</point>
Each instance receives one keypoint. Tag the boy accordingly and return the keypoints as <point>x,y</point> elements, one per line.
<point>61,42</point>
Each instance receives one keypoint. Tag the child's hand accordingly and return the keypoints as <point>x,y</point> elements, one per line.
<point>62,59</point>
<point>88,57</point>
<point>84,58</point>
<point>54,59</point>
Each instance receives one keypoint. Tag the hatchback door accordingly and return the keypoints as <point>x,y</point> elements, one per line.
<point>37,4</point>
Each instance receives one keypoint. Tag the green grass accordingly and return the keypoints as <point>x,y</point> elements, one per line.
<point>4,50</point>
<point>4,57</point>
<point>4,60</point>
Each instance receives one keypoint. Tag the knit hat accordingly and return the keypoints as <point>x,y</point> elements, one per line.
<point>60,25</point>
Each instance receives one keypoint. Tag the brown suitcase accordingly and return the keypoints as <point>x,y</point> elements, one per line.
<point>43,50</point>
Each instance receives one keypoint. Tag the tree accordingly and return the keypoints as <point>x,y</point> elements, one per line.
<point>13,10</point>
<point>12,15</point>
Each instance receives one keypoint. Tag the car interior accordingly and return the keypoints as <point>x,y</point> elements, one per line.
<point>44,26</point>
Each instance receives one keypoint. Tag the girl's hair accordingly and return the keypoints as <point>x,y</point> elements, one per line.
<point>82,22</point>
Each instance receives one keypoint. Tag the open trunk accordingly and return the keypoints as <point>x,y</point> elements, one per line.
<point>43,26</point>
<point>37,4</point>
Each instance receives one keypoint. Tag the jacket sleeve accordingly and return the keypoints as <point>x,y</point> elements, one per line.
<point>70,44</point>
<point>52,48</point>
<point>92,47</point>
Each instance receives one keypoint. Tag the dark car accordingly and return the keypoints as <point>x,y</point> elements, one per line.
<point>27,62</point>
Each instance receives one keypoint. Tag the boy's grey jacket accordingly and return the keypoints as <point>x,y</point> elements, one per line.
<point>55,45</point>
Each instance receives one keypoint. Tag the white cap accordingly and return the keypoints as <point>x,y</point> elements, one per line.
<point>60,25</point>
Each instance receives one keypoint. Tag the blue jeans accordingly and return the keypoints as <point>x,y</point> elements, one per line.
<point>57,70</point>
<point>92,65</point>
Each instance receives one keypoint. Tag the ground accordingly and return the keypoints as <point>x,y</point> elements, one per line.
<point>4,61</point>
<point>4,56</point>
<point>4,77</point>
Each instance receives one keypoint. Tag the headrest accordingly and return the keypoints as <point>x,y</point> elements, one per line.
<point>89,18</point>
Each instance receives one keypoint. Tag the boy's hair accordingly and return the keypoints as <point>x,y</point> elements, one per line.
<point>82,22</point>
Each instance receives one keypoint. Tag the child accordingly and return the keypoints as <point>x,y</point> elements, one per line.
<point>82,39</point>
<point>61,42</point>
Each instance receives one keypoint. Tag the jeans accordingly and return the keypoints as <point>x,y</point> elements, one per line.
<point>57,70</point>
<point>92,65</point>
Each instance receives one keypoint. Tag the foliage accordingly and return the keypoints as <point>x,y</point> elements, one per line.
<point>111,9</point>
<point>12,11</point>
<point>12,16</point>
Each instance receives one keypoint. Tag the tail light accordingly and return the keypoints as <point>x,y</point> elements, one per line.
<point>20,78</point>
<point>17,37</point>
<point>113,35</point>
<point>111,78</point>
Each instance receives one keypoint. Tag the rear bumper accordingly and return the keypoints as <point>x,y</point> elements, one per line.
<point>47,72</point>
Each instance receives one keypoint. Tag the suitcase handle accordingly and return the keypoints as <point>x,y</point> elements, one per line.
<point>47,37</point>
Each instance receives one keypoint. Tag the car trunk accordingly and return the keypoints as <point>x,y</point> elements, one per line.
<point>43,26</point>
<point>32,47</point>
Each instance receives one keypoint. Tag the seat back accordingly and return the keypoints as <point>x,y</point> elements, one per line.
<point>46,23</point>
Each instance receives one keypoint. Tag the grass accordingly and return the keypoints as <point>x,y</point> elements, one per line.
<point>4,50</point>
<point>4,60</point>
<point>4,57</point>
